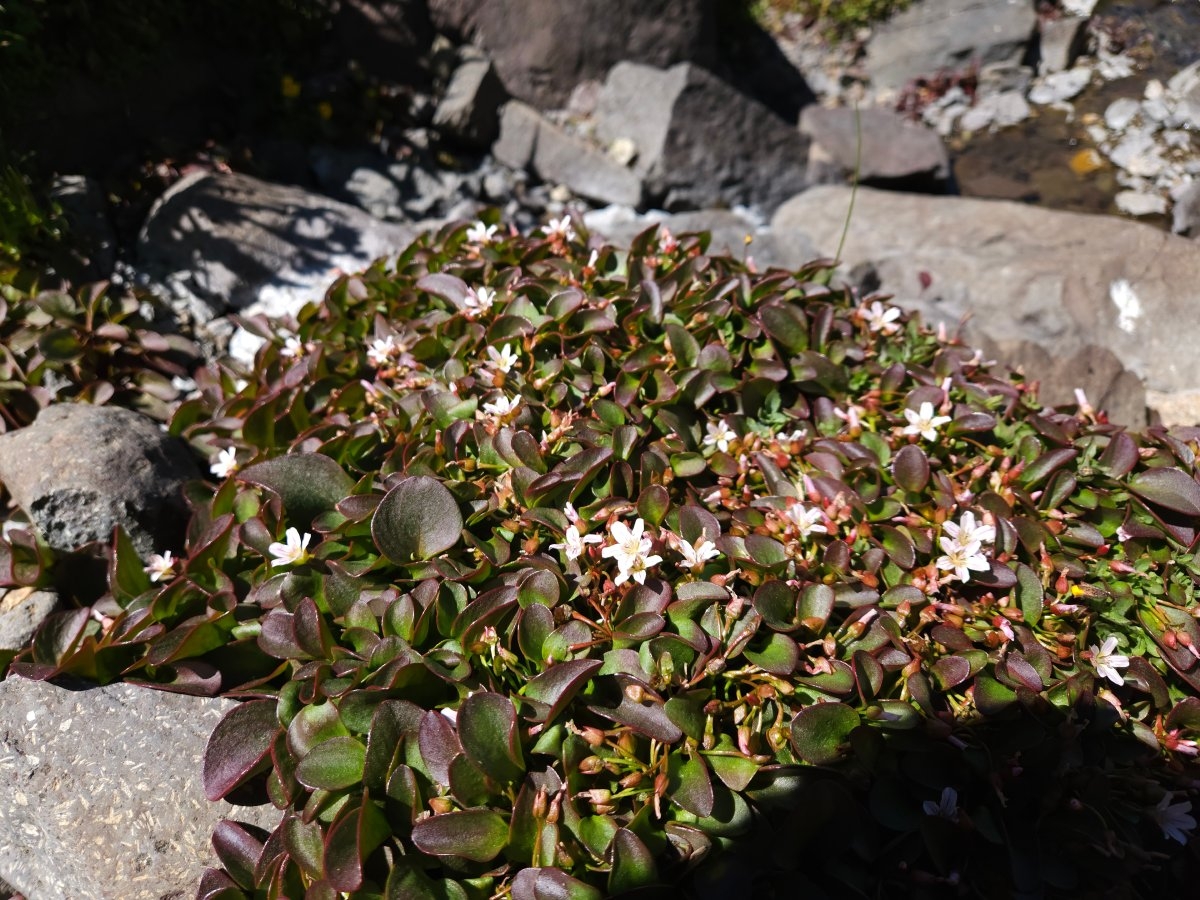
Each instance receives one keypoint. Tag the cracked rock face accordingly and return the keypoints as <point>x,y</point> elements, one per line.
<point>80,470</point>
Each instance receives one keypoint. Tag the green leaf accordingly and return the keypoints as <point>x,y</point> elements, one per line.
<point>991,697</point>
<point>238,851</point>
<point>559,684</point>
<point>1030,594</point>
<point>1168,487</point>
<point>418,519</point>
<point>487,728</point>
<point>778,655</point>
<point>633,863</point>
<point>910,468</point>
<point>406,882</point>
<point>352,837</point>
<point>820,732</point>
<point>689,785</point>
<point>239,747</point>
<point>308,483</point>
<point>476,834</point>
<point>735,771</point>
<point>333,764</point>
<point>551,884</point>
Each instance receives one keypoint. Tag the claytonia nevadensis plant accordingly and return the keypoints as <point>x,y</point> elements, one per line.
<point>695,554</point>
<point>560,228</point>
<point>923,422</point>
<point>808,520</point>
<point>225,464</point>
<point>478,301</point>
<point>382,350</point>
<point>481,233</point>
<point>161,567</point>
<point>961,559</point>
<point>1106,661</point>
<point>292,551</point>
<point>945,807</point>
<point>1174,819</point>
<point>502,407</point>
<point>574,543</point>
<point>503,359</point>
<point>719,435</point>
<point>631,550</point>
<point>882,320</point>
<point>966,531</point>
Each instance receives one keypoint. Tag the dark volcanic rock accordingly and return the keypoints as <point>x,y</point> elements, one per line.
<point>893,151</point>
<point>543,48</point>
<point>79,470</point>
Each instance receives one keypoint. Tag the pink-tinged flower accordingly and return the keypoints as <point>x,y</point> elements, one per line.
<point>807,519</point>
<point>1106,662</point>
<point>697,553</point>
<point>560,228</point>
<point>924,422</point>
<point>382,350</point>
<point>502,407</point>
<point>160,568</point>
<point>880,319</point>
<point>481,233</point>
<point>293,348</point>
<point>946,807</point>
<point>961,560</point>
<point>720,435</point>
<point>967,532</point>
<point>574,543</point>
<point>226,463</point>
<point>503,359</point>
<point>1173,741</point>
<point>477,301</point>
<point>851,416</point>
<point>293,550</point>
<point>1174,818</point>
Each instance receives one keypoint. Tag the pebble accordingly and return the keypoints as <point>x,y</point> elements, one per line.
<point>1060,86</point>
<point>1135,203</point>
<point>1120,113</point>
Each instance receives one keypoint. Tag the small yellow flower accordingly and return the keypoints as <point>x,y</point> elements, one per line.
<point>325,110</point>
<point>289,87</point>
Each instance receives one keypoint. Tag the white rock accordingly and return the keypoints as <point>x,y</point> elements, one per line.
<point>1098,133</point>
<point>1060,86</point>
<point>1138,204</point>
<point>1154,89</point>
<point>1185,80</point>
<point>1121,112</point>
<point>1156,110</point>
<point>1112,66</point>
<point>1138,154</point>
<point>1079,7</point>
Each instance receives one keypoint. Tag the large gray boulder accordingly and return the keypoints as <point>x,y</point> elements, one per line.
<point>103,797</point>
<point>882,146</point>
<point>699,142</point>
<point>1061,280</point>
<point>543,48</point>
<point>948,34</point>
<point>218,242</point>
<point>79,470</point>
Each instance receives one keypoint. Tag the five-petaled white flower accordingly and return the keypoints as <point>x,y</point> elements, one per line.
<point>967,532</point>
<point>226,463</point>
<point>502,407</point>
<point>481,233</point>
<point>478,300</point>
<point>631,549</point>
<point>560,228</point>
<point>807,519</point>
<point>574,543</point>
<point>161,567</point>
<point>293,348</point>
<point>1173,818</point>
<point>924,422</point>
<point>880,319</point>
<point>946,807</point>
<point>720,435</point>
<point>697,553</point>
<point>295,550</point>
<point>1106,662</point>
<point>961,559</point>
<point>382,350</point>
<point>503,359</point>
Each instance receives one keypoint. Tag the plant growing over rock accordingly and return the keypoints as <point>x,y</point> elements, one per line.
<point>546,569</point>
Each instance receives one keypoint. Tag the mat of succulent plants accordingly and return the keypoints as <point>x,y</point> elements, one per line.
<point>550,570</point>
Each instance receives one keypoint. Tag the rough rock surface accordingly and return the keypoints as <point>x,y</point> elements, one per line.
<point>214,242</point>
<point>893,149</point>
<point>469,109</point>
<point>699,142</point>
<point>79,470</point>
<point>103,797</point>
<point>948,34</point>
<point>22,610</point>
<point>1062,280</point>
<point>543,48</point>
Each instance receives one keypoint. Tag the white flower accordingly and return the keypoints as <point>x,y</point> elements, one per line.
<point>503,407</point>
<point>478,300</point>
<point>966,532</point>
<point>226,463</point>
<point>946,807</point>
<point>294,551</point>
<point>924,422</point>
<point>480,233</point>
<point>503,359</point>
<point>807,519</point>
<point>560,228</point>
<point>879,319</point>
<point>381,351</point>
<point>574,543</point>
<point>630,548</point>
<point>1106,662</point>
<point>798,435</point>
<point>720,435</point>
<point>850,416</point>
<point>572,516</point>
<point>161,567</point>
<point>1173,818</point>
<point>961,559</point>
<point>293,348</point>
<point>696,554</point>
